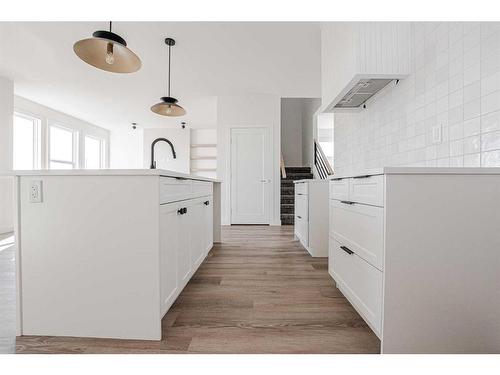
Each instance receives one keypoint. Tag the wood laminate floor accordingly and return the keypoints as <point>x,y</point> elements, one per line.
<point>257,292</point>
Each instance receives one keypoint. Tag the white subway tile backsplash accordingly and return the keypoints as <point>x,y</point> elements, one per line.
<point>472,127</point>
<point>472,109</point>
<point>472,160</point>
<point>490,141</point>
<point>490,159</point>
<point>490,122</point>
<point>490,83</point>
<point>454,83</point>
<point>472,74</point>
<point>472,144</point>
<point>490,102</point>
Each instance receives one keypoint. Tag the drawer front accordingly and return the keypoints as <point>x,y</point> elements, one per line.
<point>359,227</point>
<point>202,188</point>
<point>367,190</point>
<point>339,189</point>
<point>173,189</point>
<point>360,282</point>
<point>301,188</point>
<point>301,206</point>
<point>302,230</point>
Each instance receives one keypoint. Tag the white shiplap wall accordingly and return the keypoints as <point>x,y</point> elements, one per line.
<point>454,84</point>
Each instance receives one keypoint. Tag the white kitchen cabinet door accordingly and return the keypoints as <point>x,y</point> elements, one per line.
<point>184,265</point>
<point>169,248</point>
<point>198,231</point>
<point>208,222</point>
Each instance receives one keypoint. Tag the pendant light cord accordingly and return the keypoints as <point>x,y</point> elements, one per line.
<point>168,91</point>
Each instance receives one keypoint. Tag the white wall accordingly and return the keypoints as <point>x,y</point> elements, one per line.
<point>257,110</point>
<point>6,190</point>
<point>297,119</point>
<point>126,148</point>
<point>291,131</point>
<point>454,84</point>
<point>180,138</point>
<point>309,108</point>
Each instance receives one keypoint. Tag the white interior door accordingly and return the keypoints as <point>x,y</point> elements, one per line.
<point>250,181</point>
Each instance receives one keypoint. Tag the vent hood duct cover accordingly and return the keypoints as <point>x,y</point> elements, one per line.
<point>363,90</point>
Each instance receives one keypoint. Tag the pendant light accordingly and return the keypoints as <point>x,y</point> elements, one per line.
<point>107,51</point>
<point>168,105</point>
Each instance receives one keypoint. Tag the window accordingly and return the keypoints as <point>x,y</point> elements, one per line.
<point>26,140</point>
<point>62,147</point>
<point>94,152</point>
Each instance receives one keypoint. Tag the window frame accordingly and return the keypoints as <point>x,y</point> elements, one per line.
<point>102,153</point>
<point>37,136</point>
<point>75,134</point>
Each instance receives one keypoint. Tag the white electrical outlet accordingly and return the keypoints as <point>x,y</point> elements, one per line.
<point>36,191</point>
<point>436,134</point>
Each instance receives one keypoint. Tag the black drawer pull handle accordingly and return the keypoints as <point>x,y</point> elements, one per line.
<point>300,217</point>
<point>347,202</point>
<point>206,203</point>
<point>347,250</point>
<point>182,211</point>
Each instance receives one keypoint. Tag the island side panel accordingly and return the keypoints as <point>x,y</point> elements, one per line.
<point>442,264</point>
<point>217,212</point>
<point>89,257</point>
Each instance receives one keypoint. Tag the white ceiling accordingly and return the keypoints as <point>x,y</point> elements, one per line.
<point>209,59</point>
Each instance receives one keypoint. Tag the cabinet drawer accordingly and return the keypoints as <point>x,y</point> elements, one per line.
<point>173,189</point>
<point>302,230</point>
<point>301,206</point>
<point>301,188</point>
<point>359,227</point>
<point>202,188</point>
<point>367,190</point>
<point>339,189</point>
<point>360,282</point>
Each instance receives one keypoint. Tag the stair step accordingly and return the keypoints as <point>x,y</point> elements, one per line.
<point>287,209</point>
<point>287,183</point>
<point>287,219</point>
<point>298,176</point>
<point>287,191</point>
<point>287,199</point>
<point>297,170</point>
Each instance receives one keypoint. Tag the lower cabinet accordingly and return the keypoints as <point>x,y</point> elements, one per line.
<point>186,237</point>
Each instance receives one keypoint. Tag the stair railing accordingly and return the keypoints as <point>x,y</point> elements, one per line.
<point>321,162</point>
<point>282,166</point>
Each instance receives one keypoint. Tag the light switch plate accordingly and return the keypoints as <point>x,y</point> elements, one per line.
<point>436,134</point>
<point>36,191</point>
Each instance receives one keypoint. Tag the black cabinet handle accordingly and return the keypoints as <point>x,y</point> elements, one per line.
<point>347,202</point>
<point>185,210</point>
<point>300,217</point>
<point>182,211</point>
<point>179,211</point>
<point>206,203</point>
<point>347,250</point>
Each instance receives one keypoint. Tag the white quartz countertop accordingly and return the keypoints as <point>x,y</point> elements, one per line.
<point>109,172</point>
<point>312,180</point>
<point>417,170</point>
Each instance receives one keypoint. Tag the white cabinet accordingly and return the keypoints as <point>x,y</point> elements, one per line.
<point>311,216</point>
<point>416,252</point>
<point>169,253</point>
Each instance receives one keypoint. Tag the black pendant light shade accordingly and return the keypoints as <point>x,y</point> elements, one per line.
<point>168,105</point>
<point>107,51</point>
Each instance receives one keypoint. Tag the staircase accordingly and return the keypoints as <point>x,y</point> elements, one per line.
<point>288,191</point>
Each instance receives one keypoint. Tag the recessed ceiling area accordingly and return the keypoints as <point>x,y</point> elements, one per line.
<point>209,60</point>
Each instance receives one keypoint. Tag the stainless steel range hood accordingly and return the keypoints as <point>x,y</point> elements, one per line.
<point>363,90</point>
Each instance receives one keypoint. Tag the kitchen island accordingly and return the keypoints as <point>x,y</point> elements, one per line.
<point>105,253</point>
